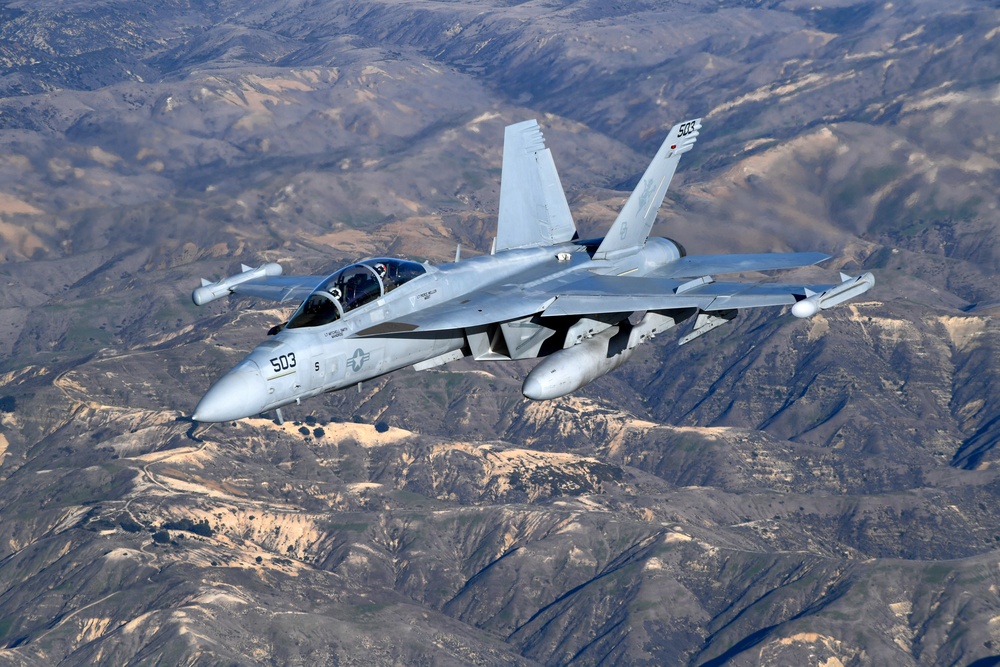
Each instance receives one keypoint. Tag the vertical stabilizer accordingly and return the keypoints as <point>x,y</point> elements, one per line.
<point>632,226</point>
<point>533,208</point>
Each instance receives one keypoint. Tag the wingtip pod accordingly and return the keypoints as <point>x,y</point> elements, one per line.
<point>209,292</point>
<point>849,288</point>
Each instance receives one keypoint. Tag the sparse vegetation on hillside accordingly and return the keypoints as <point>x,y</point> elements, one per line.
<point>778,492</point>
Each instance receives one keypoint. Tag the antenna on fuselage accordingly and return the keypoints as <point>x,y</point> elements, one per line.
<point>458,252</point>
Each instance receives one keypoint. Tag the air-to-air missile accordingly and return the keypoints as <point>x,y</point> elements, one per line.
<point>210,291</point>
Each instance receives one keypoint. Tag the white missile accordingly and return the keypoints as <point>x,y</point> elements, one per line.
<point>806,307</point>
<point>567,370</point>
<point>211,291</point>
<point>848,289</point>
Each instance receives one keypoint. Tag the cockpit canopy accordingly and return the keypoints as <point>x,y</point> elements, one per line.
<point>353,287</point>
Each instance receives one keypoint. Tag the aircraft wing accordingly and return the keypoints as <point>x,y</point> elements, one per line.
<point>606,294</point>
<point>280,288</point>
<point>694,266</point>
<point>615,294</point>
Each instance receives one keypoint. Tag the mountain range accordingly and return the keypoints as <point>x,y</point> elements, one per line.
<point>777,492</point>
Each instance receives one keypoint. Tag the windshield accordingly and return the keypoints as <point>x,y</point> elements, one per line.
<point>353,287</point>
<point>319,309</point>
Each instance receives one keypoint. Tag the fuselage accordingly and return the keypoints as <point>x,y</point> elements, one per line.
<point>310,355</point>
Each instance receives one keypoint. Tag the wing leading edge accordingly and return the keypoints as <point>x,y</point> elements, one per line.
<point>595,295</point>
<point>606,294</point>
<point>694,266</point>
<point>280,288</point>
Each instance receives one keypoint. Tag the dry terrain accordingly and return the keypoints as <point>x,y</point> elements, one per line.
<point>778,492</point>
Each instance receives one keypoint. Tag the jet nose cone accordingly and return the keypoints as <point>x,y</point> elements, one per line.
<point>240,393</point>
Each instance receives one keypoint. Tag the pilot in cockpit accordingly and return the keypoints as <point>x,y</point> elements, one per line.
<point>383,274</point>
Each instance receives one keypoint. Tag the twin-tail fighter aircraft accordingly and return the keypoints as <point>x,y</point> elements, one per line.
<point>582,306</point>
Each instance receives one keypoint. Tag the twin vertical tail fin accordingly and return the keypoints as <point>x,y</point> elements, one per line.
<point>632,225</point>
<point>533,207</point>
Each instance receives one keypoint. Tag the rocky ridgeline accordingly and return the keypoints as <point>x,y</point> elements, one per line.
<point>666,544</point>
<point>778,492</point>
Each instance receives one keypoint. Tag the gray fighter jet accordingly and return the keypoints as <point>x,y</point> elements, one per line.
<point>582,306</point>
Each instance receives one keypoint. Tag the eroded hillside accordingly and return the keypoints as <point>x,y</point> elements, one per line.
<point>777,492</point>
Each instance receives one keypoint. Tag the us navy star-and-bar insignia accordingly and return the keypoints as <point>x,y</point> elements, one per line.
<point>358,359</point>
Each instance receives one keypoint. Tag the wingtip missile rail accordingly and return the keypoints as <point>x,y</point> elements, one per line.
<point>849,288</point>
<point>210,291</point>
